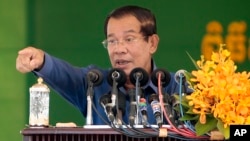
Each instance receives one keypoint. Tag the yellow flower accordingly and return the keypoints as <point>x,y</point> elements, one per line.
<point>220,90</point>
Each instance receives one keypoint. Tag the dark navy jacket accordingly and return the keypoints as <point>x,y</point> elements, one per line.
<point>71,83</point>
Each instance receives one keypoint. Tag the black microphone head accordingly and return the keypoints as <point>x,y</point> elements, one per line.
<point>139,73</point>
<point>104,99</point>
<point>165,77</point>
<point>95,76</point>
<point>118,75</point>
<point>153,97</point>
<point>180,74</point>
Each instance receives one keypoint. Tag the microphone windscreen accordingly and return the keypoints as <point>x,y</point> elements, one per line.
<point>153,97</point>
<point>180,74</point>
<point>139,73</point>
<point>104,99</point>
<point>165,77</point>
<point>118,75</point>
<point>95,76</point>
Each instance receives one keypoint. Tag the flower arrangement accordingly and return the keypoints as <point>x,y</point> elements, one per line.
<point>221,95</point>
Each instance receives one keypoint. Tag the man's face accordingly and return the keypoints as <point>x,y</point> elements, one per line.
<point>132,50</point>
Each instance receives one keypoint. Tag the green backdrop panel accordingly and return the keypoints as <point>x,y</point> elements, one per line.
<point>73,31</point>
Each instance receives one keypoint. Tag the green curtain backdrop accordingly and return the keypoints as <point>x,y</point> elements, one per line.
<point>13,20</point>
<point>73,31</point>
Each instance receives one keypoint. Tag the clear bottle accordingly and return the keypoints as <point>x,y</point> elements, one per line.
<point>39,104</point>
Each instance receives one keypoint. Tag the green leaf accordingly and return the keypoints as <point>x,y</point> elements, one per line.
<point>189,117</point>
<point>190,111</point>
<point>193,61</point>
<point>176,96</point>
<point>185,104</point>
<point>202,129</point>
<point>224,131</point>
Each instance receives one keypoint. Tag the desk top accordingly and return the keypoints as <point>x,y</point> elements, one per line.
<point>68,130</point>
<point>94,131</point>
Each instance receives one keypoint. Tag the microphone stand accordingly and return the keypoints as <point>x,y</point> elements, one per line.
<point>135,95</point>
<point>114,93</point>
<point>132,110</point>
<point>139,77</point>
<point>89,120</point>
<point>116,78</point>
<point>94,78</point>
<point>114,101</point>
<point>143,109</point>
<point>138,96</point>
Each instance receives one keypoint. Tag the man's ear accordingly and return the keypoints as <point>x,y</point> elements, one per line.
<point>154,39</point>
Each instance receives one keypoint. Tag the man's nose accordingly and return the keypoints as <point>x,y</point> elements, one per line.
<point>121,47</point>
<point>120,43</point>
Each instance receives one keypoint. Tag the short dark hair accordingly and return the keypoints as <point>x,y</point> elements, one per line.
<point>145,16</point>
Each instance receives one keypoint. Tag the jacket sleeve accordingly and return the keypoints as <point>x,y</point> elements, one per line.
<point>67,80</point>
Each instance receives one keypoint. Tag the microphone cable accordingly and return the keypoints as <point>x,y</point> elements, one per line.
<point>187,123</point>
<point>113,126</point>
<point>186,132</point>
<point>137,86</point>
<point>126,132</point>
<point>117,78</point>
<point>181,80</point>
<point>132,128</point>
<point>177,130</point>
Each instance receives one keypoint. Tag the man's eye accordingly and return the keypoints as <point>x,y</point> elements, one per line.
<point>128,40</point>
<point>112,41</point>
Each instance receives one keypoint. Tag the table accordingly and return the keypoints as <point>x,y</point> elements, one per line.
<point>82,134</point>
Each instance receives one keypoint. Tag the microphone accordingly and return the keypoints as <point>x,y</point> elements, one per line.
<point>94,78</point>
<point>143,110</point>
<point>132,110</point>
<point>180,74</point>
<point>140,74</point>
<point>156,107</point>
<point>180,78</point>
<point>165,77</point>
<point>105,101</point>
<point>118,76</point>
<point>120,108</point>
<point>138,77</point>
<point>169,107</point>
<point>114,111</point>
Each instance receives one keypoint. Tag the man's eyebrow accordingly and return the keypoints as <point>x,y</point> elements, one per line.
<point>128,31</point>
<point>111,35</point>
